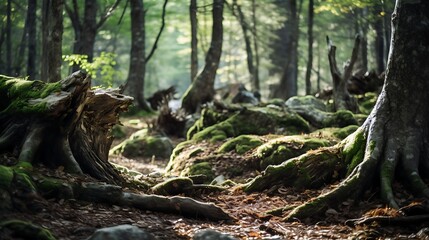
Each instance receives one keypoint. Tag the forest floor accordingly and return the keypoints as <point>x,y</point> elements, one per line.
<point>69,219</point>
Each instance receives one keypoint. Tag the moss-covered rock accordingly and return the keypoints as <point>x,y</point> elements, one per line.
<point>367,102</point>
<point>255,120</point>
<point>173,186</point>
<point>241,144</point>
<point>281,149</point>
<point>143,144</point>
<point>26,230</point>
<point>334,134</point>
<point>341,118</point>
<point>202,168</point>
<point>208,118</point>
<point>306,101</point>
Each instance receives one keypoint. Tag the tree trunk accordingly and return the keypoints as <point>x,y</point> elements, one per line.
<point>342,98</point>
<point>256,86</point>
<point>393,142</point>
<point>379,39</point>
<point>310,47</point>
<point>194,39</point>
<point>8,31</point>
<point>32,39</point>
<point>136,74</point>
<point>52,28</point>
<point>238,13</point>
<point>288,86</point>
<point>202,89</point>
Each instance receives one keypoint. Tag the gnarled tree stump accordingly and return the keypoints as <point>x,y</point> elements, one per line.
<point>61,124</point>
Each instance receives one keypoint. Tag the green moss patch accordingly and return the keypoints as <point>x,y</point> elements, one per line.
<point>202,168</point>
<point>241,144</point>
<point>19,92</point>
<point>257,121</point>
<point>281,149</point>
<point>142,144</point>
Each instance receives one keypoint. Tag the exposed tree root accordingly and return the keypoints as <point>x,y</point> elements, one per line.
<point>112,194</point>
<point>388,220</point>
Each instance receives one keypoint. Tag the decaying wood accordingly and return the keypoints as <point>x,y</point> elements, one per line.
<point>65,125</point>
<point>342,98</point>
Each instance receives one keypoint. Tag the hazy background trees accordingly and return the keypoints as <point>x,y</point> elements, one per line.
<point>276,33</point>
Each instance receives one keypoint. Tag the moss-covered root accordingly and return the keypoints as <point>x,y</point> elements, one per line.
<point>309,170</point>
<point>354,184</point>
<point>26,230</point>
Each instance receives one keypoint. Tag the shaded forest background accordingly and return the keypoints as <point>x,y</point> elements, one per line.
<point>274,27</point>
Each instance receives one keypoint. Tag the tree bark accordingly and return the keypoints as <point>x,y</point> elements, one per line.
<point>136,74</point>
<point>256,86</point>
<point>310,47</point>
<point>32,39</point>
<point>288,86</point>
<point>194,39</point>
<point>202,89</point>
<point>52,28</point>
<point>8,31</point>
<point>379,39</point>
<point>238,13</point>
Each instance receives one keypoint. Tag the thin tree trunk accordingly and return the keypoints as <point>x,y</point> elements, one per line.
<point>202,89</point>
<point>52,24</point>
<point>9,38</point>
<point>257,86</point>
<point>194,39</point>
<point>379,38</point>
<point>19,56</point>
<point>136,74</point>
<point>238,13</point>
<point>310,47</point>
<point>288,86</point>
<point>32,40</point>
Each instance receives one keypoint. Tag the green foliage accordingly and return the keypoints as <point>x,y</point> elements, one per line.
<point>339,7</point>
<point>101,68</point>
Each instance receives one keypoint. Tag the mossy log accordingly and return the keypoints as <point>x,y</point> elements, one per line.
<point>61,124</point>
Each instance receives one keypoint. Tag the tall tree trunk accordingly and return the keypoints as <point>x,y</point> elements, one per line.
<point>310,47</point>
<point>32,39</point>
<point>9,38</point>
<point>361,66</point>
<point>288,86</point>
<point>256,86</point>
<point>379,38</point>
<point>238,13</point>
<point>136,74</point>
<point>194,39</point>
<point>202,89</point>
<point>19,56</point>
<point>52,28</point>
